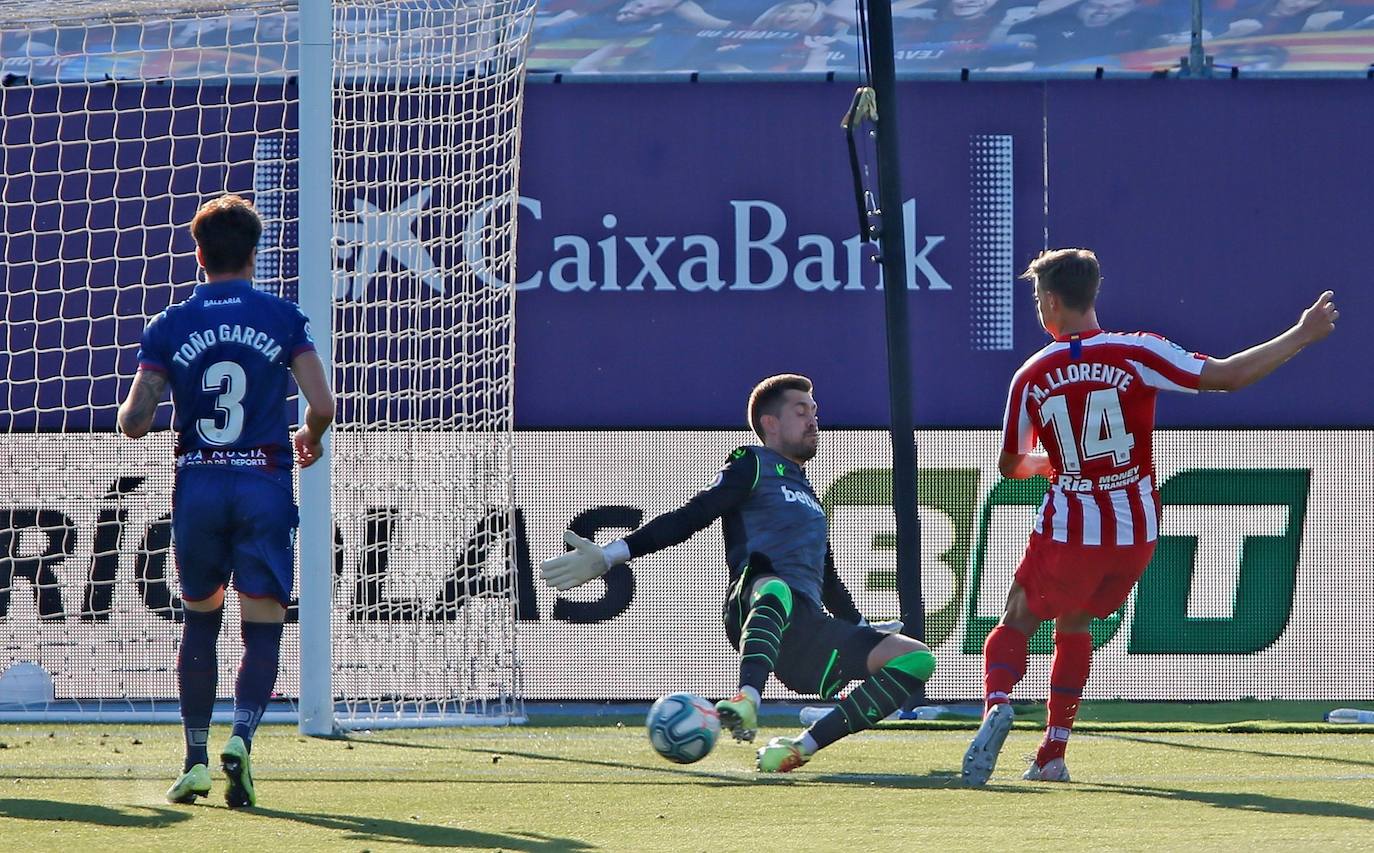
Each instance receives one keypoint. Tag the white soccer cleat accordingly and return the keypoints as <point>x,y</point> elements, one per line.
<point>981,758</point>
<point>1055,770</point>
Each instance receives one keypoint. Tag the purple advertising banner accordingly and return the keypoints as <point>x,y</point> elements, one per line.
<point>1215,224</point>
<point>678,241</point>
<point>1220,211</point>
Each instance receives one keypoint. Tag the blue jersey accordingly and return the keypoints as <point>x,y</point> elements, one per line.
<point>226,352</point>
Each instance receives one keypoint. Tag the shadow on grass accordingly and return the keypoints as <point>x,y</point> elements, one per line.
<point>1197,747</point>
<point>1245,802</point>
<point>418,834</point>
<point>140,817</point>
<point>935,779</point>
<point>705,777</point>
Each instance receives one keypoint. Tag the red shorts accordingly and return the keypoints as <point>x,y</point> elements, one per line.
<point>1060,578</point>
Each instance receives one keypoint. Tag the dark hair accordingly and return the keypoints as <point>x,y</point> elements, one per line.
<point>227,230</point>
<point>1071,274</point>
<point>766,398</point>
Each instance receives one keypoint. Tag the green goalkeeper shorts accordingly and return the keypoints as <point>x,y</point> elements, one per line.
<point>819,654</point>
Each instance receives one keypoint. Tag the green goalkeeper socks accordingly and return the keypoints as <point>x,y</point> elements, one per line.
<point>770,611</point>
<point>878,696</point>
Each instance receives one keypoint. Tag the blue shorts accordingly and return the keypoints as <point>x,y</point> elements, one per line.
<point>233,525</point>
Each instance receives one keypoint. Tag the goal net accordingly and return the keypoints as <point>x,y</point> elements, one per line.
<point>117,120</point>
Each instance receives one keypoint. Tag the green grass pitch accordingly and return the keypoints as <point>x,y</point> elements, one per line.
<point>600,787</point>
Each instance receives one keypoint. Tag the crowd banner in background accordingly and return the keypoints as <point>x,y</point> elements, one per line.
<point>762,36</point>
<point>931,36</point>
<point>1261,585</point>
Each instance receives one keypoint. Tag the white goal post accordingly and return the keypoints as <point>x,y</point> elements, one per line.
<point>379,140</point>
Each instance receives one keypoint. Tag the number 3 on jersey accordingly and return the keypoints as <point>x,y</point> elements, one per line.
<point>226,378</point>
<point>1104,430</point>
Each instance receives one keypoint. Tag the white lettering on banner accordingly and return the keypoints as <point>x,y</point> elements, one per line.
<point>709,262</point>
<point>372,232</point>
<point>745,246</point>
<point>1221,532</point>
<point>763,258</point>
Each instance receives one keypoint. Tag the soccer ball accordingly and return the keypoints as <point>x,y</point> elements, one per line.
<point>683,727</point>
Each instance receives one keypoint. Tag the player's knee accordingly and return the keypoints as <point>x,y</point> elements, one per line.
<point>1018,613</point>
<point>918,664</point>
<point>1073,623</point>
<point>776,588</point>
<point>209,604</point>
<point>261,609</point>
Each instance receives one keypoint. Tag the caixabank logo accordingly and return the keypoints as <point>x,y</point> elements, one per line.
<point>736,246</point>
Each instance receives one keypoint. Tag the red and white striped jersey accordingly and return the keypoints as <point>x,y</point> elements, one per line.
<point>1089,399</point>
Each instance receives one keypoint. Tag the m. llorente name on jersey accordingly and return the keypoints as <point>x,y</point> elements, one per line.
<point>764,257</point>
<point>227,333</point>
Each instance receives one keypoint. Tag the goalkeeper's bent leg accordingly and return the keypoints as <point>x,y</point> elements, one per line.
<point>879,695</point>
<point>770,611</point>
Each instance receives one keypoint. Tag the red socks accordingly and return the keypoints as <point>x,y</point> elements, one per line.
<point>1068,673</point>
<point>1004,662</point>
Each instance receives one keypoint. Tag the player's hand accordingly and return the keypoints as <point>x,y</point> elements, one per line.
<point>308,447</point>
<point>1320,320</point>
<point>587,561</point>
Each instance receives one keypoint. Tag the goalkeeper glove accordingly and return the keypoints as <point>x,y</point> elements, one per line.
<point>587,561</point>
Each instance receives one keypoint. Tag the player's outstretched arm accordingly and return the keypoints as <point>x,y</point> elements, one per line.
<point>588,561</point>
<point>585,562</point>
<point>1250,366</point>
<point>319,407</point>
<point>137,411</point>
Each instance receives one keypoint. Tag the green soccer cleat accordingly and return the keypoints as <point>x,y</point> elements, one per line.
<point>782,755</point>
<point>239,770</point>
<point>981,758</point>
<point>739,715</point>
<point>191,784</point>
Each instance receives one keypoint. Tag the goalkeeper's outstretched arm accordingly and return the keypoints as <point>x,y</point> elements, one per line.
<point>588,560</point>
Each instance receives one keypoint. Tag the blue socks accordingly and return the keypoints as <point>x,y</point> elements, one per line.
<point>257,675</point>
<point>197,676</point>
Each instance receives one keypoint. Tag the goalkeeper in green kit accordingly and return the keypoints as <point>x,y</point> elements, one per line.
<point>782,583</point>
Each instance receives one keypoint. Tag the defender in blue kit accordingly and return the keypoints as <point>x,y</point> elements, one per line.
<point>228,353</point>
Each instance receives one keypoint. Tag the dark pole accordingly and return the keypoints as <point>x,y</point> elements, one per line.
<point>891,240</point>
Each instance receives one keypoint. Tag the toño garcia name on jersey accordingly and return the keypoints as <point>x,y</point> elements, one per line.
<point>197,342</point>
<point>1082,372</point>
